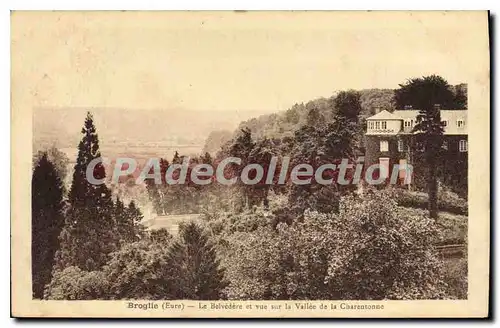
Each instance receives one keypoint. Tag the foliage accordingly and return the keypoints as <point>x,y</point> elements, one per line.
<point>58,159</point>
<point>157,267</point>
<point>428,94</point>
<point>73,283</point>
<point>88,235</point>
<point>447,200</point>
<point>160,236</point>
<point>215,140</point>
<point>325,144</point>
<point>376,99</point>
<point>369,250</point>
<point>46,221</point>
<point>195,265</point>
<point>140,271</point>
<point>128,225</point>
<point>452,227</point>
<point>460,92</point>
<point>456,277</point>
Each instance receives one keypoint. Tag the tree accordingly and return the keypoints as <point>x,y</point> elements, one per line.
<point>241,148</point>
<point>58,159</point>
<point>314,117</point>
<point>46,222</point>
<point>156,192</point>
<point>344,133</point>
<point>88,235</point>
<point>140,270</point>
<point>262,153</point>
<point>127,222</point>
<point>177,159</point>
<point>317,144</point>
<point>384,251</point>
<point>135,217</point>
<point>428,94</point>
<point>194,262</point>
<point>461,96</point>
<point>215,140</point>
<point>160,236</point>
<point>73,283</point>
<point>424,92</point>
<point>206,158</point>
<point>370,249</point>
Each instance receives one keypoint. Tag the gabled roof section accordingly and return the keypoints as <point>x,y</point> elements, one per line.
<point>407,114</point>
<point>383,115</point>
<point>446,114</point>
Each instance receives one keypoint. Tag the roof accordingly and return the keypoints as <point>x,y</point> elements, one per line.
<point>406,114</point>
<point>383,115</point>
<point>446,115</point>
<point>451,116</point>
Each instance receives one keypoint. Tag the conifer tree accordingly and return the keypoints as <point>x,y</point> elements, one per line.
<point>128,219</point>
<point>88,235</point>
<point>58,159</point>
<point>194,262</point>
<point>46,222</point>
<point>134,221</point>
<point>120,217</point>
<point>177,159</point>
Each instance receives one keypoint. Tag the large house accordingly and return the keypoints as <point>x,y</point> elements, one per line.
<point>389,138</point>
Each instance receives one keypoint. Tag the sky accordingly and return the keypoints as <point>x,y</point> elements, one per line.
<point>226,61</point>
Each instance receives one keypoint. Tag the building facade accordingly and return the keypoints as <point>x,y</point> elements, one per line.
<point>389,140</point>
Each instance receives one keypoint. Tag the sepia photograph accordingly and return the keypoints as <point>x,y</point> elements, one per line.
<point>250,164</point>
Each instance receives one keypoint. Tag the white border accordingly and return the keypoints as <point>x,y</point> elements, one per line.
<point>186,5</point>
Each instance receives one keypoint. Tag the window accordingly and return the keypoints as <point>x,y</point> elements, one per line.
<point>384,145</point>
<point>445,123</point>
<point>401,146</point>
<point>462,145</point>
<point>377,125</point>
<point>408,124</point>
<point>445,145</point>
<point>384,125</point>
<point>460,123</point>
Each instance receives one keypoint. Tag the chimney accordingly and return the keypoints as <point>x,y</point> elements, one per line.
<point>377,109</point>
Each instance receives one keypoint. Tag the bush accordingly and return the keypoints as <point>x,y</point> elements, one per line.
<point>452,227</point>
<point>456,277</point>
<point>73,283</point>
<point>447,200</point>
<point>140,271</point>
<point>371,249</point>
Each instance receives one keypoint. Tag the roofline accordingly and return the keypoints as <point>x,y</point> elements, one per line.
<point>385,119</point>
